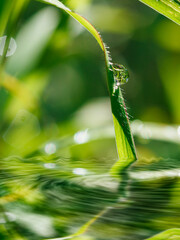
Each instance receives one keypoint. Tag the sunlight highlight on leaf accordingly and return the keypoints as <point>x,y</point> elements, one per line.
<point>169,234</point>
<point>168,8</point>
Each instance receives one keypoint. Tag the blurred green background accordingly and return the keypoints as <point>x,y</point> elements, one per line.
<point>60,68</point>
<point>55,109</point>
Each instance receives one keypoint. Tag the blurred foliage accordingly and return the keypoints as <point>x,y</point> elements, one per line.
<point>169,8</point>
<point>169,234</point>
<point>53,174</point>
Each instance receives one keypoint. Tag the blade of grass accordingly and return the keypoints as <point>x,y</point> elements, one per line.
<point>124,140</point>
<point>35,32</point>
<point>168,8</point>
<point>84,228</point>
<point>78,18</point>
<point>10,23</point>
<point>169,234</point>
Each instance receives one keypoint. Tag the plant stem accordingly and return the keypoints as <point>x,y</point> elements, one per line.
<point>12,13</point>
<point>6,12</point>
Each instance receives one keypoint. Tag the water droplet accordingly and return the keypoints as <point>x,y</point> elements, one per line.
<point>121,74</point>
<point>81,137</point>
<point>11,48</point>
<point>50,148</point>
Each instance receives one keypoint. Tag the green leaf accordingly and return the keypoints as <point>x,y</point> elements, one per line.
<point>124,140</point>
<point>78,18</point>
<point>168,8</point>
<point>170,234</point>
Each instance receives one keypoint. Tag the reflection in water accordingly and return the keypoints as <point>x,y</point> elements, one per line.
<point>50,165</point>
<point>45,197</point>
<point>80,171</point>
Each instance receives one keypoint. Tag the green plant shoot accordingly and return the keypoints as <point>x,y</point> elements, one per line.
<point>124,139</point>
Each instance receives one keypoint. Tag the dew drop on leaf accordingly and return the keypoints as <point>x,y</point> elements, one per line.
<point>121,74</point>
